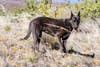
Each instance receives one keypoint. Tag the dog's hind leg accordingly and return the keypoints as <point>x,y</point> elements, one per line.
<point>36,32</point>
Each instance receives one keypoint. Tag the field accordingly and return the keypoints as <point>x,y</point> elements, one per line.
<point>16,53</point>
<point>83,46</point>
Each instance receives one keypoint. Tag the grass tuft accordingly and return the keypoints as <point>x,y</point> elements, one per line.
<point>7,28</point>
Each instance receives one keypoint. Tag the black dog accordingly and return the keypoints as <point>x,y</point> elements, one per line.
<point>60,27</point>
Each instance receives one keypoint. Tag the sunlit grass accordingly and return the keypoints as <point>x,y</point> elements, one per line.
<point>20,53</point>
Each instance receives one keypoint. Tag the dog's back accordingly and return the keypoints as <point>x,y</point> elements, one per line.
<point>43,20</point>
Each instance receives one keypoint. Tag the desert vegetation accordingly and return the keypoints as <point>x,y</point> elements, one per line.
<point>84,43</point>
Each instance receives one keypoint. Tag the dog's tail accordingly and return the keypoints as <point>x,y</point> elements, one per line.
<point>28,33</point>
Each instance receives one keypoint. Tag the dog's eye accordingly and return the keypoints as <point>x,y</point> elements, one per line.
<point>74,20</point>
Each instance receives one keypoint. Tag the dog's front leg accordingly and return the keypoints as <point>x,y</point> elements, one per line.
<point>64,41</point>
<point>60,43</point>
<point>64,46</point>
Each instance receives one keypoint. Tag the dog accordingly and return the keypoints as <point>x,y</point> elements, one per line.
<point>61,28</point>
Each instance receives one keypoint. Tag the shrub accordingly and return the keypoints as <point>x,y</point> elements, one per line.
<point>7,28</point>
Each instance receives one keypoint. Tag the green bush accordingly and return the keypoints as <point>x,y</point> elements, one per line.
<point>7,28</point>
<point>88,8</point>
<point>33,59</point>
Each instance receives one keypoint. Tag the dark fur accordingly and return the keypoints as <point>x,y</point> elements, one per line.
<point>39,25</point>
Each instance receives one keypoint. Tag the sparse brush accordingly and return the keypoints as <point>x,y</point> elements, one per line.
<point>34,59</point>
<point>46,38</point>
<point>71,48</point>
<point>81,45</point>
<point>7,28</point>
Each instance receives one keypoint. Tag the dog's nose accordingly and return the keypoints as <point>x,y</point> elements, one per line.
<point>74,30</point>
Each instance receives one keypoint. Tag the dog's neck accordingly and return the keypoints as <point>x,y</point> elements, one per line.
<point>67,24</point>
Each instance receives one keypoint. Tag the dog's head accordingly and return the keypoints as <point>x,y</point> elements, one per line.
<point>74,21</point>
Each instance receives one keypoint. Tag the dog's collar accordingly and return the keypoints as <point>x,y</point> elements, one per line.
<point>64,21</point>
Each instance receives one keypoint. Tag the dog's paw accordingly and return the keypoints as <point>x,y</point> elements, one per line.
<point>93,55</point>
<point>21,39</point>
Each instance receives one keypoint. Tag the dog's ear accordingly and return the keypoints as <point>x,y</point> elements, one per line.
<point>71,15</point>
<point>78,17</point>
<point>78,14</point>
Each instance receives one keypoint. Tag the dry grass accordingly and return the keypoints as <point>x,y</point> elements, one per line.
<point>15,53</point>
